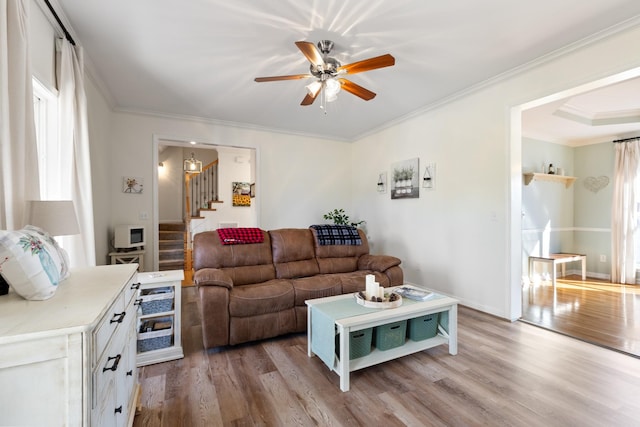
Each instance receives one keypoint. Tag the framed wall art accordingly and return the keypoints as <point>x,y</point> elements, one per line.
<point>404,179</point>
<point>241,193</point>
<point>132,184</point>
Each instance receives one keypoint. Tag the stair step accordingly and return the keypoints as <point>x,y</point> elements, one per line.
<point>171,226</point>
<point>171,265</point>
<point>171,235</point>
<point>171,241</point>
<point>170,244</point>
<point>171,254</point>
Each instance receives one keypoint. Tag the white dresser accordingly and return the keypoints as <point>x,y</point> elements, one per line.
<point>71,360</point>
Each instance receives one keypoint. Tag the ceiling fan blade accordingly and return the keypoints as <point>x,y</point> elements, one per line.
<point>308,100</point>
<point>311,52</point>
<point>356,90</point>
<point>368,64</point>
<point>277,78</point>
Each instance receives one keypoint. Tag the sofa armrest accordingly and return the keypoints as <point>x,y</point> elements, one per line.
<point>377,262</point>
<point>212,277</point>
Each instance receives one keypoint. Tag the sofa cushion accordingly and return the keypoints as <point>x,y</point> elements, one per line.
<point>316,287</point>
<point>248,263</point>
<point>293,253</point>
<point>339,258</point>
<point>245,329</point>
<point>269,297</point>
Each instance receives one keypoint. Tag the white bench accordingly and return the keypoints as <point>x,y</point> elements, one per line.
<point>554,259</point>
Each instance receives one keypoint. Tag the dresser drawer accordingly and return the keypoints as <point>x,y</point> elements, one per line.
<point>107,327</point>
<point>131,290</point>
<point>114,361</point>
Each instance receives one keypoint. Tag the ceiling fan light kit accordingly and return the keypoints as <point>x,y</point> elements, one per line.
<point>328,71</point>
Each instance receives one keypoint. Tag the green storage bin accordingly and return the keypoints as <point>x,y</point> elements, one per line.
<point>423,327</point>
<point>391,335</point>
<point>359,343</point>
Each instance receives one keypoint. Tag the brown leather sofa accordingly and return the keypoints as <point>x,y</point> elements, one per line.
<point>255,291</point>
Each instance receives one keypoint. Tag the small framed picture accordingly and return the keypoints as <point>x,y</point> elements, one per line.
<point>241,194</point>
<point>132,184</point>
<point>252,192</point>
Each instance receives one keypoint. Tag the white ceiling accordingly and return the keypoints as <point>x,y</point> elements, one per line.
<point>604,114</point>
<point>198,58</point>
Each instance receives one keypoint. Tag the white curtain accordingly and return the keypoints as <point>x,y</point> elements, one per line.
<point>623,213</point>
<point>74,145</point>
<point>18,150</point>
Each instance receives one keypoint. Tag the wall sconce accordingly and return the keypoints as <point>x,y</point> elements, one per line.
<point>382,182</point>
<point>192,165</point>
<point>429,178</point>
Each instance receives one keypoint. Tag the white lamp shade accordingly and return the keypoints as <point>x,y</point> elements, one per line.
<point>314,88</point>
<point>333,87</point>
<point>56,217</point>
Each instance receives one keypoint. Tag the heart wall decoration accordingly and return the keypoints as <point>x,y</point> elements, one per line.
<point>594,184</point>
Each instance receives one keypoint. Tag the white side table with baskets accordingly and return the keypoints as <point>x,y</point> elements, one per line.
<point>159,301</point>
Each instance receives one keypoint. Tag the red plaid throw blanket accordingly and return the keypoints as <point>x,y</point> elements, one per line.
<point>239,236</point>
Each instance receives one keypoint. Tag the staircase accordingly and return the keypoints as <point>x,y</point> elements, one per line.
<point>171,244</point>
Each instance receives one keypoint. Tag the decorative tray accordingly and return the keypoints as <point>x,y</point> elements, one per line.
<point>392,300</point>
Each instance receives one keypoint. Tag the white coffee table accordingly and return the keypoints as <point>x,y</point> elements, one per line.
<point>376,317</point>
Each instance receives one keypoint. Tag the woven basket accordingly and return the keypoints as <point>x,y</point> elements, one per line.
<point>157,300</point>
<point>391,335</point>
<point>423,327</point>
<point>359,343</point>
<point>149,340</point>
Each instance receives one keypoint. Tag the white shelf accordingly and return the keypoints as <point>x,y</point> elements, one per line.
<point>409,347</point>
<point>163,279</point>
<point>534,176</point>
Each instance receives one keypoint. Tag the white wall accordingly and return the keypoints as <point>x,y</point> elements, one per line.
<point>464,238</point>
<point>299,178</point>
<point>170,185</point>
<point>547,207</point>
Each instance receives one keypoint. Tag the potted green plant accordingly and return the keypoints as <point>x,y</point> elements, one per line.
<point>339,217</point>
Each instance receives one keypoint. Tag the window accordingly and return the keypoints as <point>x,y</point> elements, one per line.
<point>45,111</point>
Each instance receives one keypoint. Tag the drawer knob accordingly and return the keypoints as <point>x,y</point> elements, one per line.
<point>118,317</point>
<point>116,361</point>
<point>118,410</point>
<point>135,286</point>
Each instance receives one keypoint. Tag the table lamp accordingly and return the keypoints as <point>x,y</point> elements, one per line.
<point>56,217</point>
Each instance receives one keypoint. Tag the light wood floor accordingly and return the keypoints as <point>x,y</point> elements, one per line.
<point>505,374</point>
<point>593,310</point>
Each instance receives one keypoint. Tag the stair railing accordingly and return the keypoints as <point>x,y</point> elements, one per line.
<point>200,189</point>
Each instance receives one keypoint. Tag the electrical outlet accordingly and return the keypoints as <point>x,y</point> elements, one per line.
<point>603,258</point>
<point>143,215</point>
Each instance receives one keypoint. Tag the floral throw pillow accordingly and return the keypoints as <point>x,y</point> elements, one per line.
<point>32,262</point>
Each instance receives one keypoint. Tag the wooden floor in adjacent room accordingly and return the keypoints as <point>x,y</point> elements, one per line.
<point>593,310</point>
<point>505,374</point>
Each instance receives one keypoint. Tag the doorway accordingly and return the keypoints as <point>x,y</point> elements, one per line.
<point>233,164</point>
<point>519,266</point>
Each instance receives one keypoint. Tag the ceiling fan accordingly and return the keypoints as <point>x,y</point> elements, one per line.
<point>328,72</point>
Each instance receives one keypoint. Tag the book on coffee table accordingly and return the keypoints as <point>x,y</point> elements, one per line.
<point>413,293</point>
